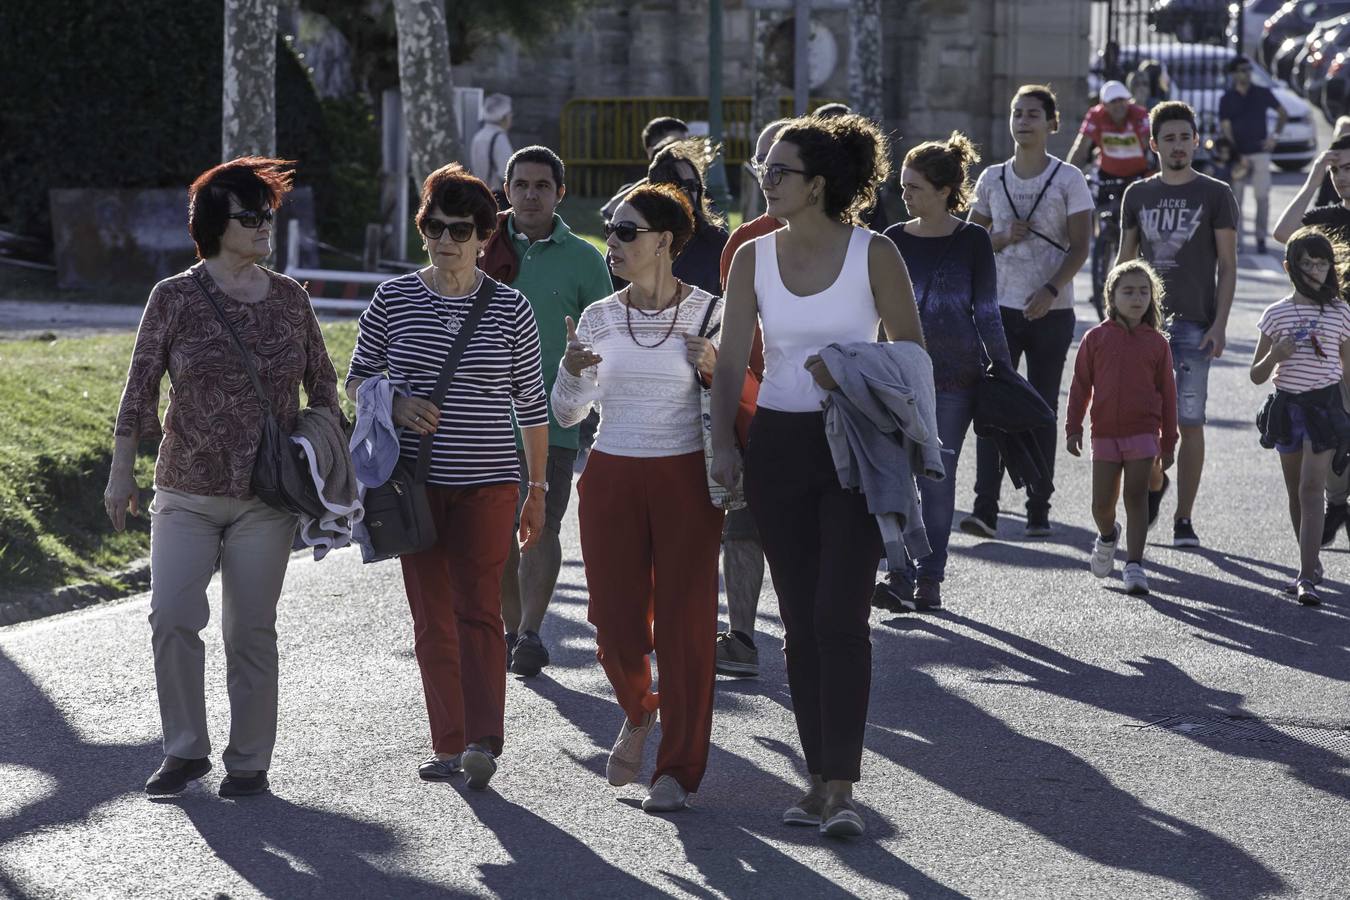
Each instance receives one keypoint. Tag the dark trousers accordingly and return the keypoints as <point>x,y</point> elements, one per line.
<point>823,547</point>
<point>1045,343</point>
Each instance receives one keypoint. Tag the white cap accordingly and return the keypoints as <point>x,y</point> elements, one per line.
<point>496,107</point>
<point>1114,90</point>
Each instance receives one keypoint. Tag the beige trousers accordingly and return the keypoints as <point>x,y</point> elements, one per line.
<point>251,541</point>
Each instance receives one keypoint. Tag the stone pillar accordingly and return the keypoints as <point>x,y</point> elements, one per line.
<point>426,86</point>
<point>865,58</point>
<point>248,108</point>
<point>1046,42</point>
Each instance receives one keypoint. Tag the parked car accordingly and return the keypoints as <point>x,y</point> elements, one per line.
<point>1309,53</point>
<point>1335,98</point>
<point>1199,78</point>
<point>1310,68</point>
<point>1192,21</point>
<point>1254,15</point>
<point>1295,19</point>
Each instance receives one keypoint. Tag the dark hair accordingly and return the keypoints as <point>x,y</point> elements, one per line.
<point>699,153</point>
<point>1170,111</point>
<point>256,182</point>
<point>827,110</point>
<point>537,154</point>
<point>666,208</point>
<point>1312,241</point>
<point>1043,93</point>
<point>946,164</point>
<point>1153,315</point>
<point>1236,61</point>
<point>1341,143</point>
<point>454,192</point>
<point>850,153</point>
<point>658,128</point>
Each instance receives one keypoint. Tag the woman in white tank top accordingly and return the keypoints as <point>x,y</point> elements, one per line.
<point>820,279</point>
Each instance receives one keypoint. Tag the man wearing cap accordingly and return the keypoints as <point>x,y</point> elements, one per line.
<point>490,150</point>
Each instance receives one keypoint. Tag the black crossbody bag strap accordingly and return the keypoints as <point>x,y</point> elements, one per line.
<point>704,332</point>
<point>481,302</point>
<point>1003,177</point>
<point>243,351</point>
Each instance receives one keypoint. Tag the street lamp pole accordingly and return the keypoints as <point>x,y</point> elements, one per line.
<point>717,173</point>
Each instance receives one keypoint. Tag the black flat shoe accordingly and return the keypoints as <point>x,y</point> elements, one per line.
<point>171,781</point>
<point>235,786</point>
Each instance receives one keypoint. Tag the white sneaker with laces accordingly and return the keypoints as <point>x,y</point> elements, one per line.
<point>665,796</point>
<point>1136,582</point>
<point>1104,554</point>
<point>625,760</point>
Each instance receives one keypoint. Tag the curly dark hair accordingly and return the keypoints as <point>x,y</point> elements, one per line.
<point>256,182</point>
<point>699,153</point>
<point>946,164</point>
<point>666,208</point>
<point>850,153</point>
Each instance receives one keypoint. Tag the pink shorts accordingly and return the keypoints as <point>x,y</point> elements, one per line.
<point>1139,446</point>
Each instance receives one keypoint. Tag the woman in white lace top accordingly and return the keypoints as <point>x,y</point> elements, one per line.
<point>649,533</point>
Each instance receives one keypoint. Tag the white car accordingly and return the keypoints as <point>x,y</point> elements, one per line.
<point>1198,77</point>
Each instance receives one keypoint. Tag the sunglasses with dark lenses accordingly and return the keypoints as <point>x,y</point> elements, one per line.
<point>460,232</point>
<point>772,176</point>
<point>252,218</point>
<point>627,231</point>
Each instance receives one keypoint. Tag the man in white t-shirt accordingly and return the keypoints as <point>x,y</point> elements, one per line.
<point>1038,210</point>
<point>490,150</point>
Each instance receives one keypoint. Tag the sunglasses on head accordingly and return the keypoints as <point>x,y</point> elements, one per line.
<point>433,229</point>
<point>626,231</point>
<point>251,218</point>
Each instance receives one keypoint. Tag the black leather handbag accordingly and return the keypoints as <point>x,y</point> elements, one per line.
<point>281,476</point>
<point>398,515</point>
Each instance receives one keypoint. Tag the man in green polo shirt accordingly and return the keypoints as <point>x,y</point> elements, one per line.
<point>560,274</point>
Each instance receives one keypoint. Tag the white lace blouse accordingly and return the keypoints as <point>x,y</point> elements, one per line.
<point>643,386</point>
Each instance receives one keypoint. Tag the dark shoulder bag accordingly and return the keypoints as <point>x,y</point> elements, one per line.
<point>281,476</point>
<point>398,514</point>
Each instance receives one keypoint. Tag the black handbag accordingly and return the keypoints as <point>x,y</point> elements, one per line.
<point>281,476</point>
<point>398,514</point>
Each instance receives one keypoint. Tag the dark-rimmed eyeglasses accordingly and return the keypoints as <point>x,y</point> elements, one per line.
<point>251,218</point>
<point>627,232</point>
<point>772,176</point>
<point>434,229</point>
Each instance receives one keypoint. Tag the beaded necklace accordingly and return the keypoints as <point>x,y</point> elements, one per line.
<point>628,315</point>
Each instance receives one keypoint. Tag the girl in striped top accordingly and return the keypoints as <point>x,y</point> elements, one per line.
<point>1304,341</point>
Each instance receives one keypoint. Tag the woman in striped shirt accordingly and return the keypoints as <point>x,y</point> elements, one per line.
<point>1304,341</point>
<point>453,588</point>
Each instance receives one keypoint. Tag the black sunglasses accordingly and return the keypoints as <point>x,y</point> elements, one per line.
<point>627,231</point>
<point>252,218</point>
<point>772,176</point>
<point>460,232</point>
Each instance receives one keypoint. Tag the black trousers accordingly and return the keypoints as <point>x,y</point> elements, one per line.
<point>1045,343</point>
<point>822,547</point>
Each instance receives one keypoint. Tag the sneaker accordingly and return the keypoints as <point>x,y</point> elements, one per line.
<point>1104,553</point>
<point>1337,515</point>
<point>625,760</point>
<point>841,819</point>
<point>1183,535</point>
<point>1038,524</point>
<point>479,766</point>
<point>1155,499</point>
<point>1306,593</point>
<point>665,796</point>
<point>530,655</point>
<point>895,594</point>
<point>981,524</point>
<point>510,648</point>
<point>1136,582</point>
<point>805,811</point>
<point>928,595</point>
<point>736,655</point>
<point>438,769</point>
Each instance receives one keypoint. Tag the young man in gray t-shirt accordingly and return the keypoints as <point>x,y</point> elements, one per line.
<point>1184,224</point>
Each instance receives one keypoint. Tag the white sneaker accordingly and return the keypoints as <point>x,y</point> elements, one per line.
<point>625,760</point>
<point>1136,582</point>
<point>1104,554</point>
<point>665,796</point>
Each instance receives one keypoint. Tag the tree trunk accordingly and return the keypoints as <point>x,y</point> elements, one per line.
<point>249,107</point>
<point>425,83</point>
<point>864,58</point>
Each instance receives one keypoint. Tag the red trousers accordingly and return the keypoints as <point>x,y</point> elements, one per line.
<point>454,590</point>
<point>650,538</point>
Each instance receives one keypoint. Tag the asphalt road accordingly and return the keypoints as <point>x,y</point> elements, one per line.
<point>1007,753</point>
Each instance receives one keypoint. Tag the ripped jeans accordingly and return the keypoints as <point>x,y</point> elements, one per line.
<point>1191,366</point>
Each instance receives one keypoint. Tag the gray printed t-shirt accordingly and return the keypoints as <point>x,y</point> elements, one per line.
<point>1176,236</point>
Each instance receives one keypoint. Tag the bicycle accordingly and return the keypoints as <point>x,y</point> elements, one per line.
<point>1106,243</point>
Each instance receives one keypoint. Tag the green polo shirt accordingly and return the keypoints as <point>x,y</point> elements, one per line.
<point>560,275</point>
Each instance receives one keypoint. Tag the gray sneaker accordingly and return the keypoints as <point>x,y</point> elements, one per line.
<point>735,656</point>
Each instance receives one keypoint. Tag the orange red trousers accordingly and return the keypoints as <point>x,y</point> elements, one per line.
<point>650,539</point>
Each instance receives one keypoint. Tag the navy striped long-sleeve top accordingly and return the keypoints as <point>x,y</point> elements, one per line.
<point>406,333</point>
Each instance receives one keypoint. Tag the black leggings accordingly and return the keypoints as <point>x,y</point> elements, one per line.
<point>823,547</point>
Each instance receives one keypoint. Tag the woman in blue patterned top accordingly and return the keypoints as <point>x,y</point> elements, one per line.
<point>951,263</point>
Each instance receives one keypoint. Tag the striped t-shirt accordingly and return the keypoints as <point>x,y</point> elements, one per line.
<point>1317,332</point>
<point>406,333</point>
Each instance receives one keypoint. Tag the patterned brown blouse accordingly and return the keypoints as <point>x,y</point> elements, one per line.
<point>214,420</point>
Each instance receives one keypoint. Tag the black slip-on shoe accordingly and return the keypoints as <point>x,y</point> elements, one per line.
<point>171,781</point>
<point>239,786</point>
<point>530,655</point>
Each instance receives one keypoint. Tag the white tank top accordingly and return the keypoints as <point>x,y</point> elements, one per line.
<point>797,327</point>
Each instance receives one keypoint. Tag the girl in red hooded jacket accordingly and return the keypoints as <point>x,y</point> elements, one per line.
<point>1124,369</point>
